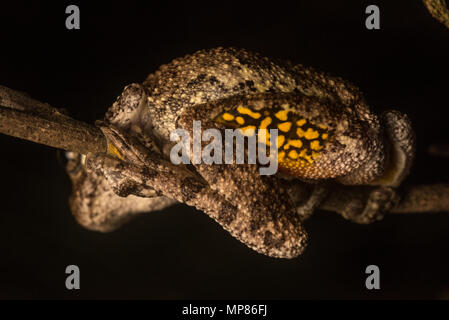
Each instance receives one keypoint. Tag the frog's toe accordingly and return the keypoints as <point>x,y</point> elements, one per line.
<point>379,202</point>
<point>126,147</point>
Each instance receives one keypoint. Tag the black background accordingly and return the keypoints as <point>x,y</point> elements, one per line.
<point>180,252</point>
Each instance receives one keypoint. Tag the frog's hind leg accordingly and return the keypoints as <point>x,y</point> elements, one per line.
<point>265,218</point>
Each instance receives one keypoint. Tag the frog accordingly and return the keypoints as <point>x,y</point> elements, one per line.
<point>328,138</point>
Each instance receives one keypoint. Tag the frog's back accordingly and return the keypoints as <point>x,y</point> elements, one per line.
<point>334,122</point>
<point>214,74</point>
<point>210,75</point>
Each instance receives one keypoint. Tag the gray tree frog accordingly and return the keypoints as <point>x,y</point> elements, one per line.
<point>328,138</point>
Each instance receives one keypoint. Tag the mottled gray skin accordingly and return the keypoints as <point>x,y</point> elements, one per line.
<point>264,212</point>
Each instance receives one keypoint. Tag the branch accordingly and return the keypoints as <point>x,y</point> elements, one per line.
<point>413,199</point>
<point>424,198</point>
<point>26,118</point>
<point>29,119</point>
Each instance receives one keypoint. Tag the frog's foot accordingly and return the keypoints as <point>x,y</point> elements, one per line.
<point>125,146</point>
<point>378,202</point>
<point>400,141</point>
<point>306,197</point>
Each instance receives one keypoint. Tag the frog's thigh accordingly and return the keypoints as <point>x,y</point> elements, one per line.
<point>95,205</point>
<point>266,218</point>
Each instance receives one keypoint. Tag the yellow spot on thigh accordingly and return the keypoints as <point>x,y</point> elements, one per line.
<point>281,156</point>
<point>311,134</point>
<point>248,111</point>
<point>315,145</point>
<point>295,143</point>
<point>248,130</point>
<point>285,126</point>
<point>322,126</point>
<point>324,136</point>
<point>282,115</point>
<point>303,154</point>
<point>301,122</point>
<point>300,132</point>
<point>227,116</point>
<point>265,123</point>
<point>240,120</point>
<point>293,154</point>
<point>280,141</point>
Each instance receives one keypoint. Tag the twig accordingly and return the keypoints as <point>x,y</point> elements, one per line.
<point>414,199</point>
<point>59,132</point>
<point>29,119</point>
<point>424,198</point>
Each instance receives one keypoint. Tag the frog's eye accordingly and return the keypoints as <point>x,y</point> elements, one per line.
<point>300,141</point>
